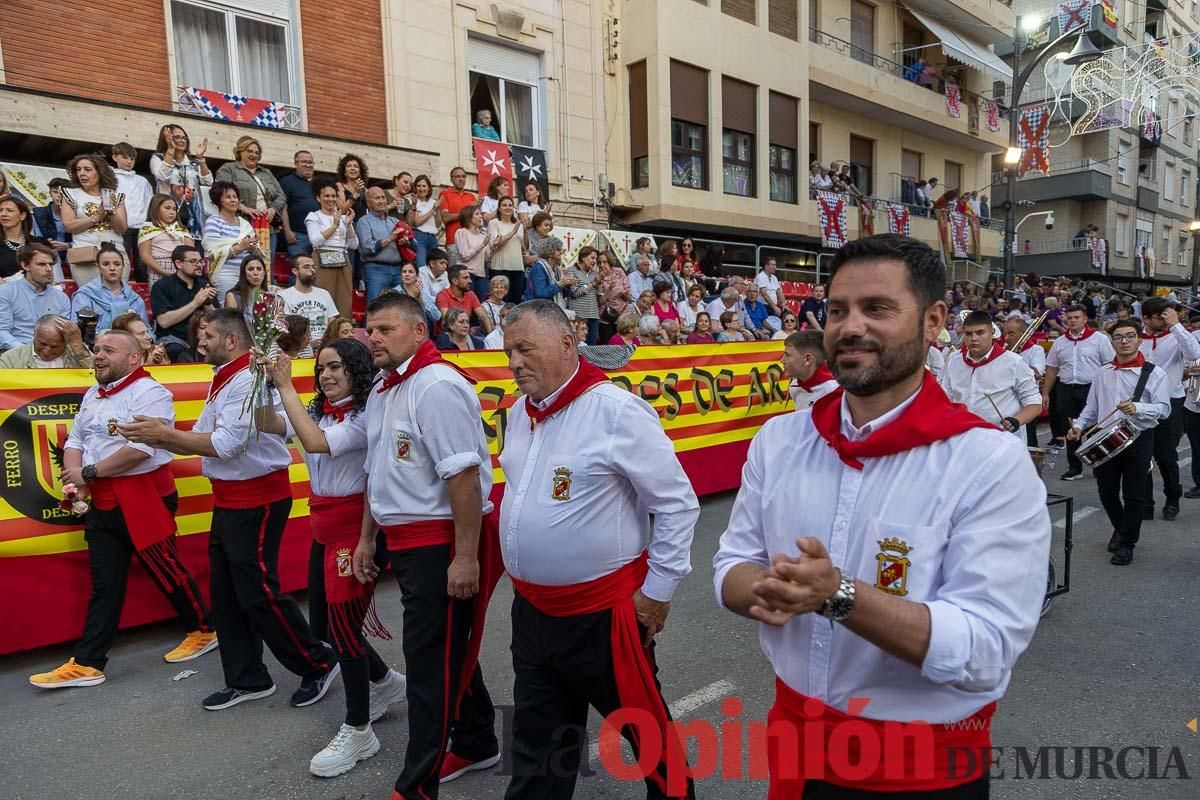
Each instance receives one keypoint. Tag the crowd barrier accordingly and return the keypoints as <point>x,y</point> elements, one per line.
<point>711,399</point>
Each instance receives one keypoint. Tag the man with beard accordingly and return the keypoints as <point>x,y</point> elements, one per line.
<point>308,300</point>
<point>1034,356</point>
<point>994,383</point>
<point>916,580</point>
<point>127,482</point>
<point>252,498</point>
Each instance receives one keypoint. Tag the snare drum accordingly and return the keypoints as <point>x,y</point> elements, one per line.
<point>1107,442</point>
<point>1043,457</point>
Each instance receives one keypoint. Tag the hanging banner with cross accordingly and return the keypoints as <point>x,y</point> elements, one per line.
<point>1099,248</point>
<point>866,217</point>
<point>953,99</point>
<point>1073,14</point>
<point>898,219</point>
<point>991,112</point>
<point>574,240</point>
<point>831,213</point>
<point>623,243</point>
<point>1033,135</point>
<point>959,235</point>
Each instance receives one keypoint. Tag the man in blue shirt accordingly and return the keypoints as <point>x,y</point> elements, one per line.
<point>297,191</point>
<point>24,301</point>
<point>757,312</point>
<point>377,244</point>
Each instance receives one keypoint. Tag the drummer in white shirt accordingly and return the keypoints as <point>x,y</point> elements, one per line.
<point>593,582</point>
<point>989,380</point>
<point>1072,363</point>
<point>916,578</point>
<point>1034,355</point>
<point>1118,392</point>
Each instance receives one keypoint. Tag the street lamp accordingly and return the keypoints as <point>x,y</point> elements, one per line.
<point>1194,227</point>
<point>1083,52</point>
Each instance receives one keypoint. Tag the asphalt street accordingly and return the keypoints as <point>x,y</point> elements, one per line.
<point>1113,665</point>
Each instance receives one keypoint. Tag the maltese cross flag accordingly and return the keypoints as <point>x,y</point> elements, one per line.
<point>518,166</point>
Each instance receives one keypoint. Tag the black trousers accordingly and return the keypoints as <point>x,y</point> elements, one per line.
<point>562,666</point>
<point>1191,426</point>
<point>1072,397</point>
<point>819,790</point>
<point>248,608</point>
<point>1058,421</point>
<point>1126,475</point>
<point>137,270</point>
<point>1167,434</point>
<point>1031,434</point>
<point>436,629</point>
<point>357,671</point>
<point>109,552</point>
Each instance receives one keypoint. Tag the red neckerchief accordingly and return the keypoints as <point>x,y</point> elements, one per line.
<point>996,351</point>
<point>427,353</point>
<point>937,345</point>
<point>338,410</point>
<point>1027,345</point>
<point>225,374</point>
<point>585,378</point>
<point>1133,363</point>
<point>929,418</point>
<point>136,375</point>
<point>820,376</point>
<point>1153,338</point>
<point>1087,331</point>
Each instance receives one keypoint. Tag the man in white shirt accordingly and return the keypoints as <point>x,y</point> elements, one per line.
<point>805,363</point>
<point>1034,355</point>
<point>768,286</point>
<point>1128,387</point>
<point>125,482</point>
<point>593,582</point>
<point>308,300</point>
<point>429,477</point>
<point>906,586</point>
<point>1071,363</point>
<point>995,384</point>
<point>1167,344</point>
<point>435,276</point>
<point>640,277</point>
<point>252,499</point>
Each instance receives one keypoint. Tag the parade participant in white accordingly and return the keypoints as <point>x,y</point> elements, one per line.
<point>992,382</point>
<point>1120,392</point>
<point>252,499</point>
<point>930,589</point>
<point>804,362</point>
<point>429,475</point>
<point>1072,363</point>
<point>125,482</point>
<point>1034,355</point>
<point>576,537</point>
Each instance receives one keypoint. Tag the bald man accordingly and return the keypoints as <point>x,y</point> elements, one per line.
<point>1034,355</point>
<point>56,343</point>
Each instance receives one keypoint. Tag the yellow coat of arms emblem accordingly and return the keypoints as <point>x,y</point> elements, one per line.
<point>892,570</point>
<point>560,487</point>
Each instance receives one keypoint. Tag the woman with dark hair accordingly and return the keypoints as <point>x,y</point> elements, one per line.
<point>532,204</point>
<point>332,430</point>
<point>664,304</point>
<point>159,237</point>
<point>668,251</point>
<point>331,232</point>
<point>490,203</point>
<point>423,219</point>
<point>108,296</point>
<point>456,332</point>
<point>474,247</point>
<point>336,327</point>
<point>252,275</point>
<point>16,228</point>
<point>227,237</point>
<point>687,255</point>
<point>352,184</point>
<point>297,338</point>
<point>182,173</point>
<point>92,212</point>
<point>702,333</point>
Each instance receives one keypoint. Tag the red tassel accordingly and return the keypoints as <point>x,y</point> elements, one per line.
<point>372,625</point>
<point>159,563</point>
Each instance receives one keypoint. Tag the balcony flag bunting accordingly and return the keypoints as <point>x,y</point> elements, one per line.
<point>1151,126</point>
<point>866,217</point>
<point>529,166</point>
<point>831,213</point>
<point>992,114</point>
<point>1033,135</point>
<point>943,224</point>
<point>959,235</point>
<point>1073,14</point>
<point>898,219</point>
<point>953,99</point>
<point>492,160</point>
<point>574,240</point>
<point>1099,248</point>
<point>235,108</point>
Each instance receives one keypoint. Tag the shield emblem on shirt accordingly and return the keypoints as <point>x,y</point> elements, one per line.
<point>892,568</point>
<point>112,426</point>
<point>343,556</point>
<point>403,446</point>
<point>560,485</point>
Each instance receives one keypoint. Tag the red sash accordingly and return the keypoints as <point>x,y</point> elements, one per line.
<point>152,521</point>
<point>336,524</point>
<point>631,667</point>
<point>127,381</point>
<point>903,756</point>
<point>252,492</point>
<point>336,520</point>
<point>426,354</point>
<point>225,374</point>
<point>426,533</point>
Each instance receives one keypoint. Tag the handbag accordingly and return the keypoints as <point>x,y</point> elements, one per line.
<point>330,257</point>
<point>609,315</point>
<point>82,255</point>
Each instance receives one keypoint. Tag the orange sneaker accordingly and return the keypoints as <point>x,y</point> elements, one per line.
<point>69,674</point>
<point>194,645</point>
<point>456,766</point>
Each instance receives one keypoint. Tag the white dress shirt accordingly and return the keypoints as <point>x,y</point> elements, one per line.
<point>971,511</point>
<point>1113,385</point>
<point>419,435</point>
<point>577,505</point>
<point>1172,352</point>
<point>1007,380</point>
<point>339,473</point>
<point>243,452</point>
<point>770,283</point>
<point>805,398</point>
<point>1035,357</point>
<point>90,435</point>
<point>1078,359</point>
<point>935,361</point>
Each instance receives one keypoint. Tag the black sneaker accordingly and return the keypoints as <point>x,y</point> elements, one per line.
<point>228,697</point>
<point>1072,475</point>
<point>1170,511</point>
<point>1057,444</point>
<point>313,689</point>
<point>1192,493</point>
<point>1123,556</point>
<point>1114,542</point>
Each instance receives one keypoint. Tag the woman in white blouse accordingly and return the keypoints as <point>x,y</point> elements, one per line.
<point>491,201</point>
<point>332,235</point>
<point>92,212</point>
<point>183,174</point>
<point>508,260</point>
<point>423,219</point>
<point>532,204</point>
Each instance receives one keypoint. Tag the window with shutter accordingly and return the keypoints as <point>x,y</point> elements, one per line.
<point>689,126</point>
<point>862,31</point>
<point>739,9</point>
<point>739,113</point>
<point>784,141</point>
<point>639,136</point>
<point>862,156</point>
<point>783,18</point>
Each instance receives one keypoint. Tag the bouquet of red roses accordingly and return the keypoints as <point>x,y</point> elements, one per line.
<point>401,231</point>
<point>268,324</point>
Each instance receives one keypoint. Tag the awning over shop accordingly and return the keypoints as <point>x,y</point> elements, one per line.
<point>963,48</point>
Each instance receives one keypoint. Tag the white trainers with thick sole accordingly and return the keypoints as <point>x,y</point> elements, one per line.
<point>347,748</point>
<point>391,689</point>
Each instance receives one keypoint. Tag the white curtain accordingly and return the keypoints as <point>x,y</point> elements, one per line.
<point>518,114</point>
<point>200,47</point>
<point>262,60</point>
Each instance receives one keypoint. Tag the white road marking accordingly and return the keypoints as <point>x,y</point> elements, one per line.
<point>1080,513</point>
<point>680,708</point>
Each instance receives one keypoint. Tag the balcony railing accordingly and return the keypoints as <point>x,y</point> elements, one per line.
<point>1065,168</point>
<point>290,119</point>
<point>1053,246</point>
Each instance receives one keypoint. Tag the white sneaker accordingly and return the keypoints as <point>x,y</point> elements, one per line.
<point>348,747</point>
<point>391,689</point>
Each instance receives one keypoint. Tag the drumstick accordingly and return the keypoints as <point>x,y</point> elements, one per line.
<point>1101,422</point>
<point>994,406</point>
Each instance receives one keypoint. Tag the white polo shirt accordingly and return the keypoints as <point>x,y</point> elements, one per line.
<point>768,282</point>
<point>1007,379</point>
<point>1078,359</point>
<point>243,452</point>
<point>1114,385</point>
<point>1171,352</point>
<point>419,435</point>
<point>962,527</point>
<point>339,473</point>
<point>581,488</point>
<point>935,361</point>
<point>1035,357</point>
<point>89,434</point>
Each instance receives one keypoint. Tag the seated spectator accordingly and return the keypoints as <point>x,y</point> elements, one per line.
<point>482,127</point>
<point>642,247</point>
<point>25,300</point>
<point>728,300</point>
<point>672,333</point>
<point>580,329</point>
<point>650,330</point>
<point>298,338</point>
<point>16,229</point>
<point>227,237</point>
<point>459,295</point>
<point>640,279</point>
<point>495,302</point>
<point>702,333</point>
<point>532,204</point>
<point>435,275</point>
<point>731,328</point>
<point>336,327</point>
<point>196,347</point>
<point>627,326</point>
<point>159,237</point>
<point>495,339</point>
<point>137,193</point>
<point>456,331</point>
<point>412,285</point>
<point>788,324</point>
<point>690,309</point>
<point>56,343</point>
<point>93,211</point>
<point>766,283</point>
<point>756,316</point>
<point>688,255</point>
<point>152,354</point>
<point>668,251</point>
<point>664,307</point>
<point>251,278</point>
<point>108,296</point>
<point>547,279</point>
<point>177,297</point>
<point>182,173</point>
<point>308,300</point>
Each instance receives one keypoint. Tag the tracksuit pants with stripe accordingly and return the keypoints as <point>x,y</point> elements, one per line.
<point>248,607</point>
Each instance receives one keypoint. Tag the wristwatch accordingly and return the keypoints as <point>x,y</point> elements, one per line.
<point>841,604</point>
<point>89,473</point>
